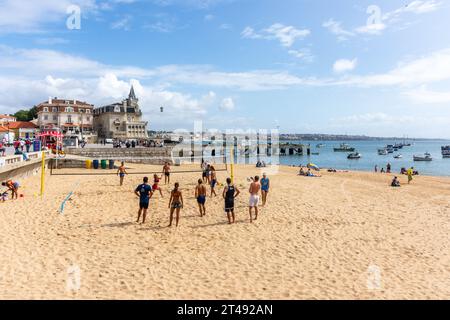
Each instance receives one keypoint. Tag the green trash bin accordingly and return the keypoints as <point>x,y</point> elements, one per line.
<point>103,164</point>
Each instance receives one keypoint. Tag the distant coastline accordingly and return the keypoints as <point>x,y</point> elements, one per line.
<point>337,137</point>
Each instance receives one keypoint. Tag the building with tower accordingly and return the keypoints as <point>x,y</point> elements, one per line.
<point>122,120</point>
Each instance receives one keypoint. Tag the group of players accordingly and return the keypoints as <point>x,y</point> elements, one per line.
<point>230,192</point>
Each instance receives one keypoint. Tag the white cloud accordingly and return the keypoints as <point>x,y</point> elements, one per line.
<point>336,28</point>
<point>286,35</point>
<point>209,17</point>
<point>227,104</point>
<point>31,16</point>
<point>423,95</point>
<point>303,54</point>
<point>344,65</point>
<point>122,24</point>
<point>373,29</point>
<point>385,20</point>
<point>432,68</point>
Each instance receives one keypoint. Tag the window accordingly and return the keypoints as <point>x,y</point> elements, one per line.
<point>88,118</point>
<point>69,109</point>
<point>54,109</point>
<point>45,109</point>
<point>81,110</point>
<point>88,111</point>
<point>69,119</point>
<point>55,118</point>
<point>45,117</point>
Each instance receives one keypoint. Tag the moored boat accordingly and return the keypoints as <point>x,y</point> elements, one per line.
<point>382,152</point>
<point>344,148</point>
<point>398,156</point>
<point>354,155</point>
<point>425,157</point>
<point>445,151</point>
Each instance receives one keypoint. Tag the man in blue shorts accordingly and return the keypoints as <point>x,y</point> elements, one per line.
<point>144,192</point>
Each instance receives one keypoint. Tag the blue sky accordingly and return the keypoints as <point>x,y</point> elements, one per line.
<point>309,66</point>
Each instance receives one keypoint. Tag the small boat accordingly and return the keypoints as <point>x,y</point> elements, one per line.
<point>445,151</point>
<point>315,153</point>
<point>425,157</point>
<point>344,148</point>
<point>382,152</point>
<point>354,155</point>
<point>398,156</point>
<point>320,145</point>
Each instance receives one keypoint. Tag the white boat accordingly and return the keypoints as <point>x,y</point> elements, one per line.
<point>425,157</point>
<point>354,155</point>
<point>382,152</point>
<point>398,156</point>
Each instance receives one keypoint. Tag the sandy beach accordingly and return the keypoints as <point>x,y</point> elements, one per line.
<point>317,238</point>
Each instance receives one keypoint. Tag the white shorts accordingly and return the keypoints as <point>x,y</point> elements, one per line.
<point>254,201</point>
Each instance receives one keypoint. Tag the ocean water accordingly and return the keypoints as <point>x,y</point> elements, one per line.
<point>369,151</point>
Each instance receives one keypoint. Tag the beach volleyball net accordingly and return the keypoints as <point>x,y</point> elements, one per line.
<point>103,166</point>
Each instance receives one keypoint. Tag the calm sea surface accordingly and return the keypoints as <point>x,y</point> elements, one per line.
<point>369,151</point>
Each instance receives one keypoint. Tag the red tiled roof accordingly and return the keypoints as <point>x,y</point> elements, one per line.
<point>21,124</point>
<point>5,116</point>
<point>3,129</point>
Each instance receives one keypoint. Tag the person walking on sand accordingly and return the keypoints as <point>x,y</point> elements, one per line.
<point>175,203</point>
<point>213,175</point>
<point>376,168</point>
<point>200,195</point>
<point>230,192</point>
<point>410,174</point>
<point>166,172</point>
<point>13,186</point>
<point>255,186</point>
<point>121,172</point>
<point>156,186</point>
<point>388,168</point>
<point>144,192</point>
<point>265,185</point>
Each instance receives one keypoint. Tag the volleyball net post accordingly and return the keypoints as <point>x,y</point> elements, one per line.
<point>42,173</point>
<point>232,164</point>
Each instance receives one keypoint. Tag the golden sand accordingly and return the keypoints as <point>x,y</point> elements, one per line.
<point>345,235</point>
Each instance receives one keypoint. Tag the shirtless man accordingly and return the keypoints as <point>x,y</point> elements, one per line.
<point>121,172</point>
<point>166,172</point>
<point>175,203</point>
<point>200,195</point>
<point>254,189</point>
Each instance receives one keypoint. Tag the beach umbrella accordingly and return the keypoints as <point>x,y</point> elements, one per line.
<point>313,166</point>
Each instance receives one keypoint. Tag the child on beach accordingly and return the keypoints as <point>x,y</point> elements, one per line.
<point>254,189</point>
<point>200,195</point>
<point>121,172</point>
<point>395,182</point>
<point>175,203</point>
<point>230,192</point>
<point>144,192</point>
<point>4,196</point>
<point>410,174</point>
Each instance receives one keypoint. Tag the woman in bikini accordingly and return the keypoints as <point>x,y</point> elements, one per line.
<point>156,186</point>
<point>175,203</point>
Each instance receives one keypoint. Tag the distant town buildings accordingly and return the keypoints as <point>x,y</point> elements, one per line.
<point>74,118</point>
<point>5,119</point>
<point>122,120</point>
<point>22,129</point>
